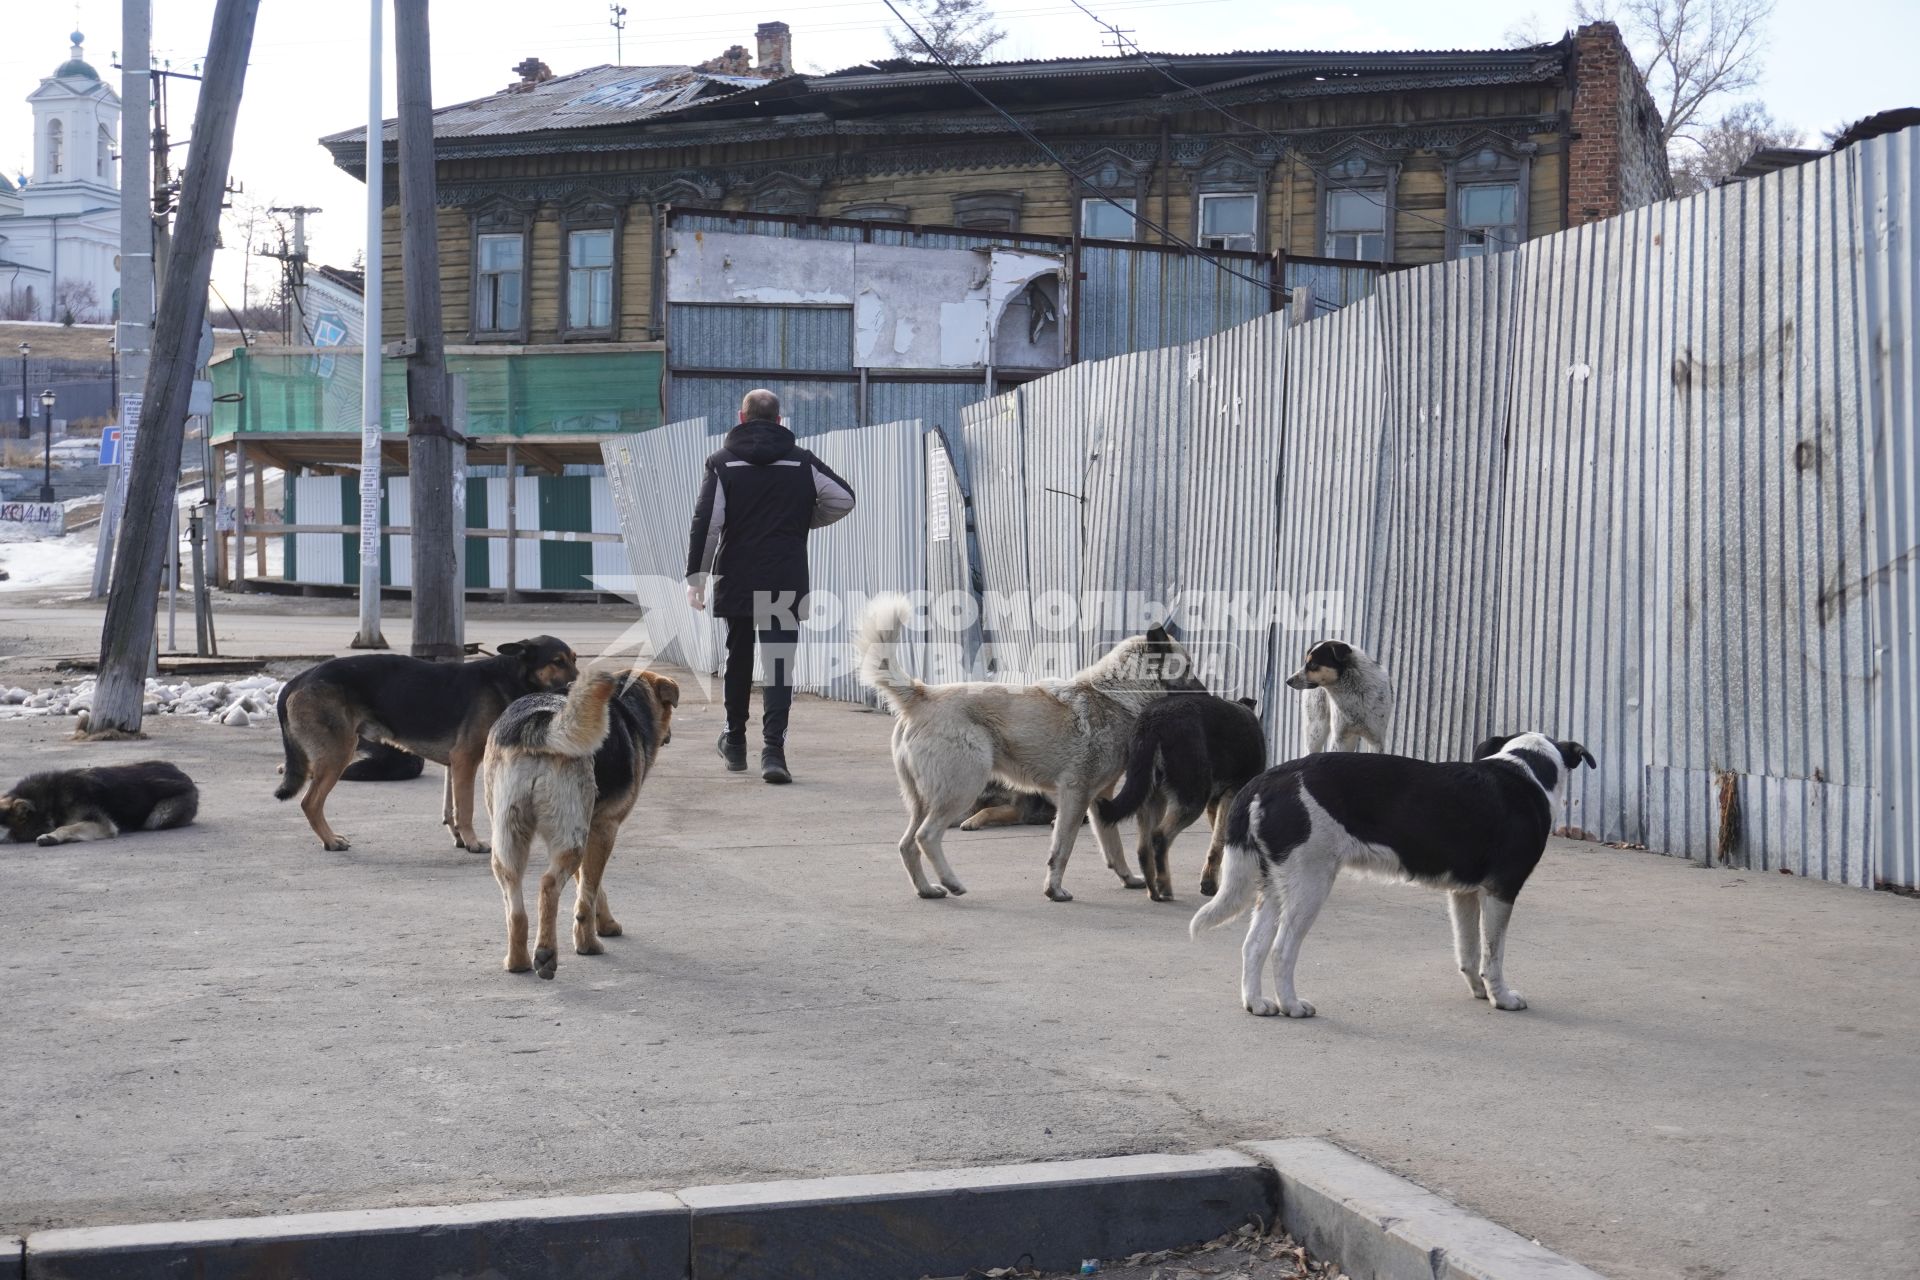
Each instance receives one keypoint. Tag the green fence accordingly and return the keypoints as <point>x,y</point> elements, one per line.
<point>512,393</point>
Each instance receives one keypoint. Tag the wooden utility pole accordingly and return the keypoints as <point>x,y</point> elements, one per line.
<point>127,637</point>
<point>437,633</point>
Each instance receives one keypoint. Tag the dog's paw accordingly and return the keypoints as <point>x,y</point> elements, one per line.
<point>954,887</point>
<point>1298,1009</point>
<point>1475,987</point>
<point>1261,1007</point>
<point>1134,882</point>
<point>338,844</point>
<point>974,823</point>
<point>518,964</point>
<point>588,946</point>
<point>611,929</point>
<point>1059,895</point>
<point>545,961</point>
<point>1208,888</point>
<point>932,891</point>
<point>48,840</point>
<point>1509,1000</point>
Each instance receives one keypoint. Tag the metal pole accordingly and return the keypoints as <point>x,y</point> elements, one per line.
<point>371,331</point>
<point>173,573</point>
<point>513,524</point>
<point>26,422</point>
<point>46,463</point>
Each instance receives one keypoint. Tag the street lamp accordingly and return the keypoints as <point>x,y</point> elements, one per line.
<point>26,403</point>
<point>46,473</point>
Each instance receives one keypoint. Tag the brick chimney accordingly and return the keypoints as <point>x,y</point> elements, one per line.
<point>1615,160</point>
<point>776,49</point>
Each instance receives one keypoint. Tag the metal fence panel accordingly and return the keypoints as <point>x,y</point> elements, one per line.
<point>809,406</point>
<point>653,479</point>
<point>953,634</point>
<point>991,438</point>
<point>1887,193</point>
<point>708,336</point>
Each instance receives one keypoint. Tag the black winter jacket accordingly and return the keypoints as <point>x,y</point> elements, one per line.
<point>760,496</point>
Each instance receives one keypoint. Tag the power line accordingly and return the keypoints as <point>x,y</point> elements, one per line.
<point>1122,39</point>
<point>1066,168</point>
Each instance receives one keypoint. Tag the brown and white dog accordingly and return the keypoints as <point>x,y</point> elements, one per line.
<point>1349,699</point>
<point>568,770</point>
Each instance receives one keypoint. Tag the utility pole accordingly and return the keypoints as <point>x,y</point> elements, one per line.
<point>126,639</point>
<point>371,325</point>
<point>293,266</point>
<point>619,24</point>
<point>133,336</point>
<point>430,436</point>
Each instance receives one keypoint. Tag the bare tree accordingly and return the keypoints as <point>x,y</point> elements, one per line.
<point>1524,31</point>
<point>1690,51</point>
<point>76,302</point>
<point>19,304</point>
<point>1728,143</point>
<point>960,31</point>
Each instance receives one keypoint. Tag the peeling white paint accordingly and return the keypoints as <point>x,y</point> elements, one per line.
<point>903,332</point>
<point>869,317</point>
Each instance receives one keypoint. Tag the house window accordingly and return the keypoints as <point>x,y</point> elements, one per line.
<point>590,279</point>
<point>499,283</point>
<point>988,210</point>
<point>1227,220</point>
<point>56,149</point>
<point>876,212</point>
<point>1107,218</point>
<point>1487,217</point>
<point>1356,225</point>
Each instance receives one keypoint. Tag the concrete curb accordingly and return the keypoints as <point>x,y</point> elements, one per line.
<point>905,1225</point>
<point>888,1227</point>
<point>1379,1226</point>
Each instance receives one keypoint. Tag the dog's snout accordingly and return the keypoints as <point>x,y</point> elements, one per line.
<point>1298,681</point>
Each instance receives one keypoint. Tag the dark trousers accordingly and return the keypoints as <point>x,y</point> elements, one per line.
<point>777,646</point>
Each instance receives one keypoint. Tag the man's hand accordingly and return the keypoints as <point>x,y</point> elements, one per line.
<point>697,596</point>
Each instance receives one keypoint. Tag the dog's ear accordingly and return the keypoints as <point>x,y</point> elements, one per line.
<point>21,807</point>
<point>664,688</point>
<point>1340,651</point>
<point>1574,755</point>
<point>1248,703</point>
<point>1157,634</point>
<point>511,649</point>
<point>1492,746</point>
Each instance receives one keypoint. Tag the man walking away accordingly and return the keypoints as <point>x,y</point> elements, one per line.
<point>761,494</point>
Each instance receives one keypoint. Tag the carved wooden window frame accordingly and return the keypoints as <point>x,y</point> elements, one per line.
<point>590,215</point>
<point>1378,178</point>
<point>1470,166</point>
<point>500,217</point>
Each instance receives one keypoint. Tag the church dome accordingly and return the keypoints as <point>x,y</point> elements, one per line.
<point>76,67</point>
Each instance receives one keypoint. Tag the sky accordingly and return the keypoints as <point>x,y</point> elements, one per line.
<point>1827,62</point>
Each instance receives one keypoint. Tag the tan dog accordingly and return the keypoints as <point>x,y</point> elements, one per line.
<point>568,769</point>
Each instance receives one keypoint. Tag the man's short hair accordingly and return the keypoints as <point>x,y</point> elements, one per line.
<point>761,404</point>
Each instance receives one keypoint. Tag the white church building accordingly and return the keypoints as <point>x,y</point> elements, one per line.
<point>60,229</point>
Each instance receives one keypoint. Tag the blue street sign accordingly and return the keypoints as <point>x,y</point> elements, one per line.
<point>110,447</point>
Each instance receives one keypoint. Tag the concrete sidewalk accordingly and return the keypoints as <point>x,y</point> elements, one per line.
<point>1714,1079</point>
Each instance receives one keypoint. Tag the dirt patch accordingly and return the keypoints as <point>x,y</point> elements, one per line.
<point>1246,1254</point>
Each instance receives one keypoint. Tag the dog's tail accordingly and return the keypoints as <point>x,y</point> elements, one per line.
<point>580,726</point>
<point>1142,765</point>
<point>874,641</point>
<point>1240,885</point>
<point>293,775</point>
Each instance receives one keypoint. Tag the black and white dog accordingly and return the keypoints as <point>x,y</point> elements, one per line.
<point>1476,830</point>
<point>1349,699</point>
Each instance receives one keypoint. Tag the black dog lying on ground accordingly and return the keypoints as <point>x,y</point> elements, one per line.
<point>379,762</point>
<point>1191,753</point>
<point>438,711</point>
<point>64,806</point>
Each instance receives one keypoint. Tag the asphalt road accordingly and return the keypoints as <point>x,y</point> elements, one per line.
<point>1714,1078</point>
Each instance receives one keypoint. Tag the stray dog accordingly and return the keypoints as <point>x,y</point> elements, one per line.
<point>1476,830</point>
<point>1191,754</point>
<point>1349,699</point>
<point>568,769</point>
<point>1067,737</point>
<point>378,762</point>
<point>1001,806</point>
<point>65,806</point>
<point>440,711</point>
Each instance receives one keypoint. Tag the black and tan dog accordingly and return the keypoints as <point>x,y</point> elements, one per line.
<point>65,806</point>
<point>568,769</point>
<point>436,710</point>
<point>1190,754</point>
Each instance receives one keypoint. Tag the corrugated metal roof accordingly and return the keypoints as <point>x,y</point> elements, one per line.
<point>597,96</point>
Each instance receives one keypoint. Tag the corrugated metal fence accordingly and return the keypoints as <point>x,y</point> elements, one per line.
<point>1649,484</point>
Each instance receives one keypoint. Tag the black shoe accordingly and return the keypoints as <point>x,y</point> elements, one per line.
<point>773,765</point>
<point>734,751</point>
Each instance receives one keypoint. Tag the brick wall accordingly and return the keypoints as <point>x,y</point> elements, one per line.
<point>1615,161</point>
